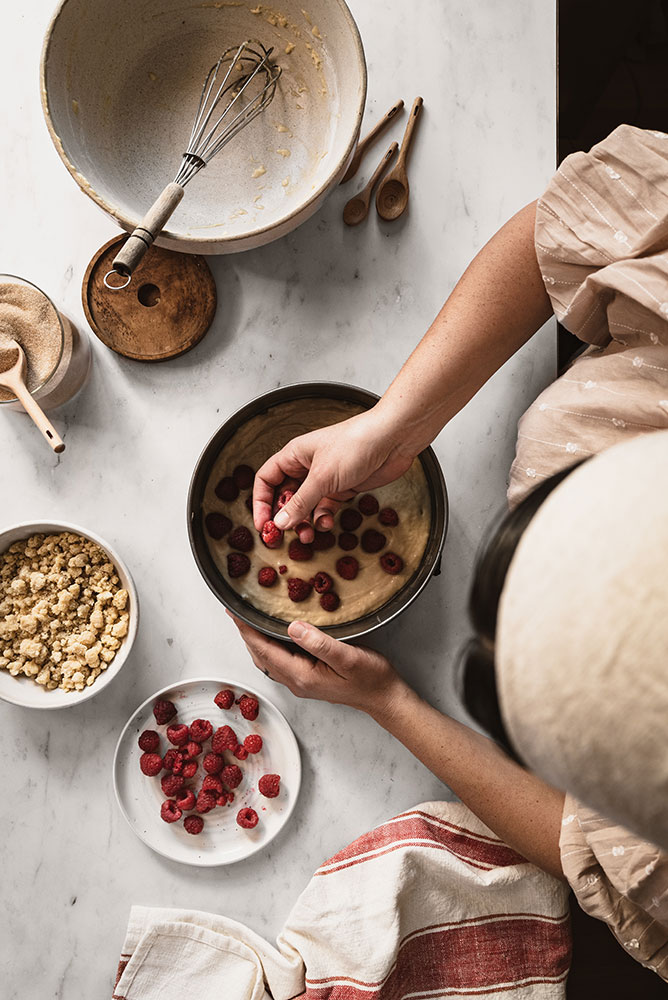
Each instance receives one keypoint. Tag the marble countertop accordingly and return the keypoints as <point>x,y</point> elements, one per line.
<point>350,303</point>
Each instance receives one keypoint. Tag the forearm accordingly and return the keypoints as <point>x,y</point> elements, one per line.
<point>516,805</point>
<point>497,305</point>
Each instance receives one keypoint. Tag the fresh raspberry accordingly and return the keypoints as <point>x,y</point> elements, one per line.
<point>299,552</point>
<point>177,734</point>
<point>348,541</point>
<point>247,818</point>
<point>164,711</point>
<point>212,783</point>
<point>231,775</point>
<point>224,699</point>
<point>253,743</point>
<point>221,800</point>
<point>171,784</point>
<point>190,769</point>
<point>391,563</point>
<point>323,540</point>
<point>267,576</point>
<point>237,564</point>
<point>284,497</point>
<point>206,801</point>
<point>271,535</point>
<point>330,601</point>
<point>230,798</point>
<point>200,730</point>
<point>347,567</point>
<point>350,519</point>
<point>217,525</point>
<point>249,706</point>
<point>169,811</point>
<point>191,750</point>
<point>240,539</point>
<point>249,504</point>
<point>240,752</point>
<point>227,489</point>
<point>213,763</point>
<point>268,785</point>
<point>185,800</point>
<point>151,764</point>
<point>389,517</point>
<point>170,759</point>
<point>298,590</point>
<point>322,583</point>
<point>149,741</point>
<point>224,738</point>
<point>243,476</point>
<point>373,541</point>
<point>368,505</point>
<point>282,569</point>
<point>193,824</point>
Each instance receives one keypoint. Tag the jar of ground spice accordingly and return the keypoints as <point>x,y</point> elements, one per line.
<point>58,357</point>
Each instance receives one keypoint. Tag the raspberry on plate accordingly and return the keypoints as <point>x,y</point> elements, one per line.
<point>224,738</point>
<point>350,519</point>
<point>389,517</point>
<point>224,699</point>
<point>243,476</point>
<point>217,525</point>
<point>193,824</point>
<point>241,753</point>
<point>149,741</point>
<point>238,564</point>
<point>300,552</point>
<point>227,489</point>
<point>190,769</point>
<point>185,799</point>
<point>347,567</point>
<point>191,749</point>
<point>267,576</point>
<point>282,569</point>
<point>323,540</point>
<point>164,711</point>
<point>253,743</point>
<point>151,764</point>
<point>269,785</point>
<point>177,734</point>
<point>368,504</point>
<point>231,775</point>
<point>330,601</point>
<point>171,784</point>
<point>213,763</point>
<point>298,590</point>
<point>322,583</point>
<point>169,811</point>
<point>221,800</point>
<point>348,541</point>
<point>200,730</point>
<point>249,706</point>
<point>240,539</point>
<point>247,818</point>
<point>206,801</point>
<point>212,783</point>
<point>373,541</point>
<point>391,563</point>
<point>271,535</point>
<point>170,759</point>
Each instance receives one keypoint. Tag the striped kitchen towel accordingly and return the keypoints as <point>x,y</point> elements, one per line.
<point>430,904</point>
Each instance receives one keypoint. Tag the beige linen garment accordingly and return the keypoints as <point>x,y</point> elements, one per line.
<point>602,246</point>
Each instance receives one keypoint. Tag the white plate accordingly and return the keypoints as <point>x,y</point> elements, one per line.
<point>222,840</point>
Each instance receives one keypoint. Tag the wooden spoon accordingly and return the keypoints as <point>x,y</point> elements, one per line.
<point>357,209</point>
<point>14,378</point>
<point>364,144</point>
<point>392,195</point>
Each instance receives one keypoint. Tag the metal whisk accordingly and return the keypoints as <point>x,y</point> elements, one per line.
<point>226,87</point>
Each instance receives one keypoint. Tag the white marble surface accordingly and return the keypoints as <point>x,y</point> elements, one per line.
<point>348,304</point>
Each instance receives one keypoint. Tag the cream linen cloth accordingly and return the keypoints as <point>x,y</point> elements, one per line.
<point>430,904</point>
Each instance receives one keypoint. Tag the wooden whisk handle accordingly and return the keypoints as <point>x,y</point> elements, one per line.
<point>136,245</point>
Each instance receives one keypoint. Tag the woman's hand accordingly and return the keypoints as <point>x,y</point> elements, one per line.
<point>342,674</point>
<point>335,463</point>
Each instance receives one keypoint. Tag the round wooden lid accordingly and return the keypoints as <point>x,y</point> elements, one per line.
<point>164,311</point>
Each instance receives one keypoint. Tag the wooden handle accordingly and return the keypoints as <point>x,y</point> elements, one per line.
<point>381,167</point>
<point>410,130</point>
<point>364,143</point>
<point>35,411</point>
<point>136,245</point>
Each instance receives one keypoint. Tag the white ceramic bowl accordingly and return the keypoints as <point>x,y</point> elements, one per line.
<point>120,85</point>
<point>24,691</point>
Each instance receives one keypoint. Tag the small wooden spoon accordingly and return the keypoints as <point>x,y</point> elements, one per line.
<point>392,195</point>
<point>357,209</point>
<point>14,378</point>
<point>364,143</point>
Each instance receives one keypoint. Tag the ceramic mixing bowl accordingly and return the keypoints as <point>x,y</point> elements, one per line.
<point>120,86</point>
<point>431,559</point>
